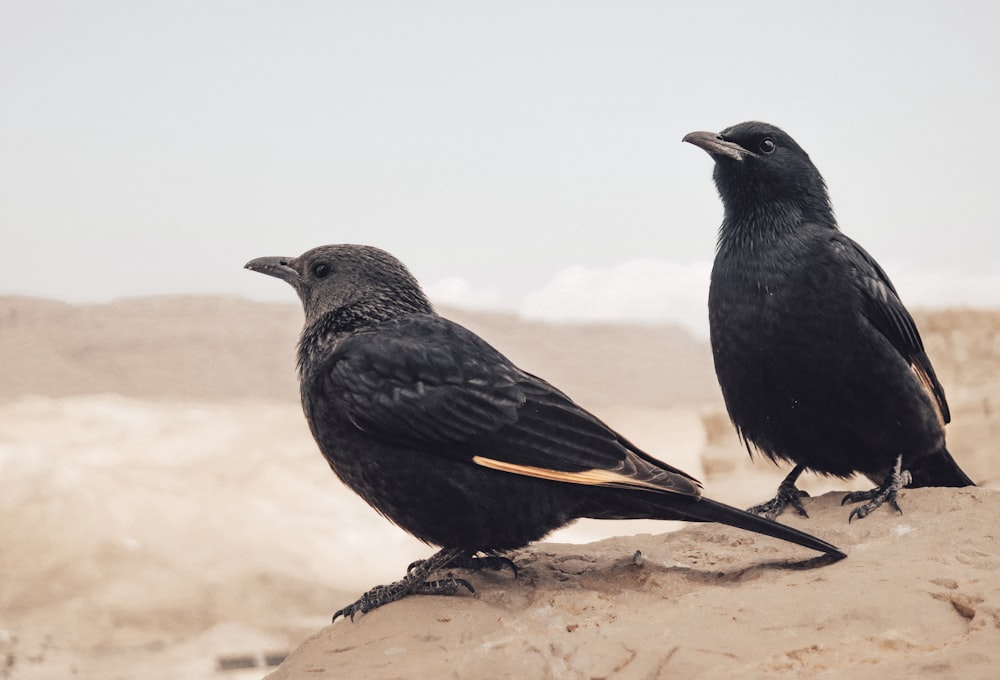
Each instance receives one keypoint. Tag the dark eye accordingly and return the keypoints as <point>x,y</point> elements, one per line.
<point>320,269</point>
<point>766,146</point>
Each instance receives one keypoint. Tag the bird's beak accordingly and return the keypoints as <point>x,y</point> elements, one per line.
<point>278,267</point>
<point>715,145</point>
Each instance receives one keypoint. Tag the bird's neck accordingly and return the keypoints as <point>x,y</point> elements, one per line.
<point>761,226</point>
<point>324,333</point>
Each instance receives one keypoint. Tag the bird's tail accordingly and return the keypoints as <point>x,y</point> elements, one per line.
<point>939,469</point>
<point>656,505</point>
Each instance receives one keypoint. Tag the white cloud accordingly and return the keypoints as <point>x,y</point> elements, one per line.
<point>657,292</point>
<point>639,291</point>
<point>946,288</point>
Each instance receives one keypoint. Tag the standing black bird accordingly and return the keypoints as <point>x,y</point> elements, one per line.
<point>819,362</point>
<point>445,437</point>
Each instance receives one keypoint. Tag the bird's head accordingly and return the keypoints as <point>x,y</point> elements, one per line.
<point>370,281</point>
<point>759,165</point>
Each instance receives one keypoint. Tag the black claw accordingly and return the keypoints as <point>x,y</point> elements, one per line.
<point>493,562</point>
<point>347,612</point>
<point>886,493</point>
<point>513,567</point>
<point>785,497</point>
<point>796,502</point>
<point>858,496</point>
<point>788,494</point>
<point>415,582</point>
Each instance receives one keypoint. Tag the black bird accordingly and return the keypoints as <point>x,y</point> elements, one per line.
<point>819,362</point>
<point>445,437</point>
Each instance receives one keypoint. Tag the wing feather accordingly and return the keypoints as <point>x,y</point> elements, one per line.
<point>438,388</point>
<point>885,311</point>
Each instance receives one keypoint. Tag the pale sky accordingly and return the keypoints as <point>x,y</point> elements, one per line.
<point>500,149</point>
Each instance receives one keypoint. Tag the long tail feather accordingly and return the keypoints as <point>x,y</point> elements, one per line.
<point>939,469</point>
<point>653,505</point>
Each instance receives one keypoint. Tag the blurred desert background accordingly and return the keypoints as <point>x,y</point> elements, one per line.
<point>165,513</point>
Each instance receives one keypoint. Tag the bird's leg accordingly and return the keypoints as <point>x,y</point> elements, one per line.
<point>490,559</point>
<point>886,493</point>
<point>414,583</point>
<point>788,494</point>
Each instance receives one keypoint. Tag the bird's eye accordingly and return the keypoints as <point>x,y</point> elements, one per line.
<point>766,146</point>
<point>320,269</point>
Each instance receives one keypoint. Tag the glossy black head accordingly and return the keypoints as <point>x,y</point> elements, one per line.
<point>331,278</point>
<point>759,167</point>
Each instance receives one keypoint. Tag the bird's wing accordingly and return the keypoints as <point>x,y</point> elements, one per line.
<point>430,384</point>
<point>885,311</point>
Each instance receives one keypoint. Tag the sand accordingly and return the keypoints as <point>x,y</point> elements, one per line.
<point>913,599</point>
<point>164,513</point>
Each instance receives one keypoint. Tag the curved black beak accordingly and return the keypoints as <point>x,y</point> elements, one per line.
<point>279,267</point>
<point>714,144</point>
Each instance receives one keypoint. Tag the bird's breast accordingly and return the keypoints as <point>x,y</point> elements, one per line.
<point>787,303</point>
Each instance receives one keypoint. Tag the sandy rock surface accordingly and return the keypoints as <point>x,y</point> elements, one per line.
<point>915,598</point>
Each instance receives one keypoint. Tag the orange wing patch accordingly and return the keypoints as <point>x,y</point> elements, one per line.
<point>592,477</point>
<point>928,385</point>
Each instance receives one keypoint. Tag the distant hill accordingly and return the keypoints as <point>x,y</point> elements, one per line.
<point>217,348</point>
<point>196,347</point>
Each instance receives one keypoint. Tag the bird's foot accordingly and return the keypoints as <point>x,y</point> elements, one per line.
<point>491,560</point>
<point>380,595</point>
<point>788,494</point>
<point>414,583</point>
<point>886,493</point>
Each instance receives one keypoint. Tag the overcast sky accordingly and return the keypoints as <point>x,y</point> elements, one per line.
<point>522,154</point>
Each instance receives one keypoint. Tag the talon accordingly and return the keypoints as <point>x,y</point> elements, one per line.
<point>413,583</point>
<point>788,494</point>
<point>456,582</point>
<point>885,493</point>
<point>857,497</point>
<point>492,561</point>
<point>498,562</point>
<point>345,612</point>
